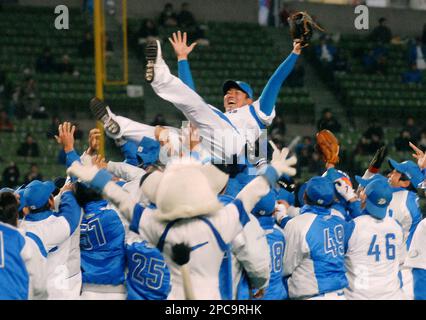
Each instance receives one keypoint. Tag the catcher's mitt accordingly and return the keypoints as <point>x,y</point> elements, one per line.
<point>302,27</point>
<point>328,146</point>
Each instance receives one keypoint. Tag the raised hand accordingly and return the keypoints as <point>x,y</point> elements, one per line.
<point>280,161</point>
<point>182,50</point>
<point>345,190</point>
<point>297,47</point>
<point>65,136</point>
<point>419,155</point>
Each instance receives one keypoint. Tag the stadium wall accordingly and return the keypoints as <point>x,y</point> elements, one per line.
<point>340,18</point>
<point>217,10</point>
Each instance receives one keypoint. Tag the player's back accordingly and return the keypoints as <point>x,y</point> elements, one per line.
<point>314,254</point>
<point>276,242</point>
<point>404,209</point>
<point>148,276</point>
<point>102,245</point>
<point>373,258</point>
<point>14,277</point>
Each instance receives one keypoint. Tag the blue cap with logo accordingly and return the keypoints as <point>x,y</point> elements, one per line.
<point>379,195</point>
<point>148,151</point>
<point>241,85</point>
<point>320,190</point>
<point>364,182</point>
<point>410,169</point>
<point>37,193</point>
<point>266,205</point>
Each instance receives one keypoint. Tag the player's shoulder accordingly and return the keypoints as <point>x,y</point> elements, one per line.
<point>301,222</point>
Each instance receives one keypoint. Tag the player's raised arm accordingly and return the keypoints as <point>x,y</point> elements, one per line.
<point>182,51</point>
<point>270,92</point>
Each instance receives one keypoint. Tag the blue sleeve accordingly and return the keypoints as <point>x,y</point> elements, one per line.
<point>137,215</point>
<point>419,280</point>
<point>70,210</point>
<point>416,215</point>
<point>424,174</point>
<point>71,157</point>
<point>184,73</point>
<point>270,92</point>
<point>129,150</point>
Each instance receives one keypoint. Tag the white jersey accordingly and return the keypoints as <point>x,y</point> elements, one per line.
<point>249,120</point>
<point>61,240</point>
<point>22,265</point>
<point>404,208</point>
<point>416,259</point>
<point>207,251</point>
<point>373,259</point>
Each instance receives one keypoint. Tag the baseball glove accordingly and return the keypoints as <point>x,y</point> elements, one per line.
<point>328,146</point>
<point>302,27</point>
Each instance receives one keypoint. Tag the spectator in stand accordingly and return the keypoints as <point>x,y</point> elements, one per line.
<point>6,90</point>
<point>168,17</point>
<point>374,129</point>
<point>412,76</point>
<point>53,128</point>
<point>375,61</point>
<point>411,127</point>
<point>147,31</point>
<point>297,77</point>
<point>66,66</point>
<point>185,17</point>
<point>402,141</point>
<point>381,33</point>
<point>417,54</point>
<point>33,174</point>
<point>5,123</point>
<point>159,120</point>
<point>325,51</point>
<point>340,62</point>
<point>29,148</point>
<point>328,122</point>
<point>371,139</point>
<point>86,47</point>
<point>10,177</point>
<point>26,98</point>
<point>45,63</point>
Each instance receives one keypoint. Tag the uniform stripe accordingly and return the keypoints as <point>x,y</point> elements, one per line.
<point>256,117</point>
<point>38,242</point>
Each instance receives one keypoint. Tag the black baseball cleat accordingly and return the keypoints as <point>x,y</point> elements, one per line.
<point>100,111</point>
<point>151,50</point>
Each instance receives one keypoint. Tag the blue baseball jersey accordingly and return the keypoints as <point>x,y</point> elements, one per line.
<point>102,245</point>
<point>148,276</point>
<point>314,256</point>
<point>276,243</point>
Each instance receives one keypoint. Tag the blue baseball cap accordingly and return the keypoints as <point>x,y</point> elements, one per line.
<point>283,194</point>
<point>37,193</point>
<point>241,85</point>
<point>410,169</point>
<point>320,190</point>
<point>266,205</point>
<point>364,182</point>
<point>301,193</point>
<point>379,195</point>
<point>148,151</point>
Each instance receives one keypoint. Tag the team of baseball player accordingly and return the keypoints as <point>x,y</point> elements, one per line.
<point>191,214</point>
